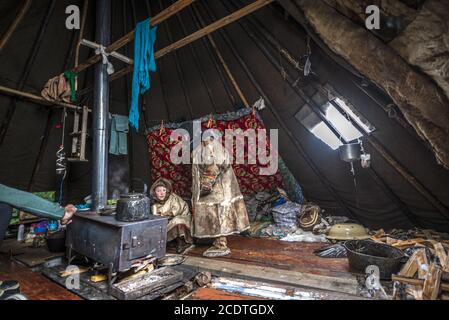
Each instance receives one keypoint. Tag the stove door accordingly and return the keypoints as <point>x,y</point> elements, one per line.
<point>145,241</point>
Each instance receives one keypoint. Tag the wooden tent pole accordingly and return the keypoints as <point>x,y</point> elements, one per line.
<point>410,178</point>
<point>162,16</point>
<point>400,169</point>
<point>388,191</point>
<point>228,71</point>
<point>48,125</point>
<point>422,102</point>
<point>178,68</point>
<point>198,66</point>
<point>195,36</point>
<point>214,59</point>
<point>4,40</point>
<point>27,69</point>
<point>165,95</point>
<point>384,153</point>
<point>38,99</point>
<point>222,61</point>
<point>213,27</point>
<point>300,19</point>
<point>284,127</point>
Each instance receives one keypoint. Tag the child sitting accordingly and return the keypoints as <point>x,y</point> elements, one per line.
<point>170,205</point>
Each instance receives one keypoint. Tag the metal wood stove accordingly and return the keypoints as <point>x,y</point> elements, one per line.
<point>117,245</point>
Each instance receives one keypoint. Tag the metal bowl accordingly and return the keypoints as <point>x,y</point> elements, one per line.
<point>347,231</point>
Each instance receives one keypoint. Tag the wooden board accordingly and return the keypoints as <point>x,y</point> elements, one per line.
<point>431,287</point>
<point>214,294</point>
<point>418,282</point>
<point>415,291</point>
<point>33,257</point>
<point>273,275</point>
<point>423,265</point>
<point>295,256</point>
<point>13,247</point>
<point>440,253</point>
<point>265,290</point>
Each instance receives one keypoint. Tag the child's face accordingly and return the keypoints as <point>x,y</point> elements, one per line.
<point>161,192</point>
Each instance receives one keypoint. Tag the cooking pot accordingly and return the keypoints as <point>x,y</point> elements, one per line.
<point>350,152</point>
<point>56,241</point>
<point>133,206</point>
<point>364,253</point>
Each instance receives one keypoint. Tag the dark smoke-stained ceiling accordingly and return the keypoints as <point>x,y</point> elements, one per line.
<point>191,83</point>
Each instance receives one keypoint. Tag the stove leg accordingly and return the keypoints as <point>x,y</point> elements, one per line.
<point>70,257</point>
<point>111,279</point>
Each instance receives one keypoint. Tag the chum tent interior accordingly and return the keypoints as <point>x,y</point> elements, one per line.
<point>397,86</point>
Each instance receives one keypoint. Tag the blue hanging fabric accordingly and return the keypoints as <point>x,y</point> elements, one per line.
<point>144,62</point>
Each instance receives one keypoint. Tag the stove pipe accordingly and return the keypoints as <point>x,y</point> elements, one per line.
<point>101,111</point>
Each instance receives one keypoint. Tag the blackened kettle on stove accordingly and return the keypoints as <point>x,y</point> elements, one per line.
<point>133,206</point>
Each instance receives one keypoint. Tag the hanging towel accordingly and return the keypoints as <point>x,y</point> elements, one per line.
<point>144,62</point>
<point>119,130</point>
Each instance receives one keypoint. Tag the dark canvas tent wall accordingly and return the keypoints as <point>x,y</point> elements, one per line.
<point>191,83</point>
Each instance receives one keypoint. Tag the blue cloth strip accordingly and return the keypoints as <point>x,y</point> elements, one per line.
<point>144,62</point>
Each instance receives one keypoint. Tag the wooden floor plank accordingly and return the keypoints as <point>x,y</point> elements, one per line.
<point>214,294</point>
<point>33,285</point>
<point>273,275</point>
<point>294,256</point>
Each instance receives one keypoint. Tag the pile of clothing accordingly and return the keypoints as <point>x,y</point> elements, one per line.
<point>260,204</point>
<point>273,215</point>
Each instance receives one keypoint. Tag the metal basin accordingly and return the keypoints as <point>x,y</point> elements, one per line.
<point>363,253</point>
<point>347,231</point>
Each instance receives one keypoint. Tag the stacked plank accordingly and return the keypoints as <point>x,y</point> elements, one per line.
<point>423,276</point>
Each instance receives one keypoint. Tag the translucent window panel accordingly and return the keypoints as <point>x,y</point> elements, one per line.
<point>317,127</point>
<point>361,121</point>
<point>325,134</point>
<point>346,129</point>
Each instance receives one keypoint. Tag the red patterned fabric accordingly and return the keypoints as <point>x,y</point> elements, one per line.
<point>181,175</point>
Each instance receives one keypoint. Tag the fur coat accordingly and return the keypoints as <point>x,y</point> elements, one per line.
<point>175,209</point>
<point>218,205</point>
